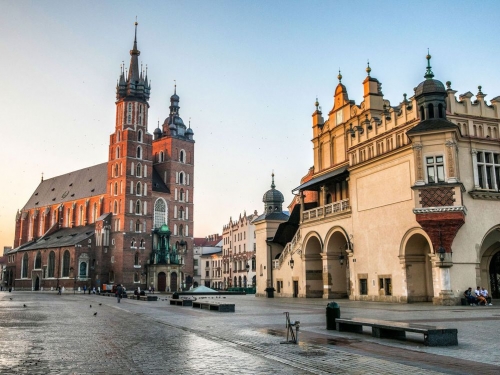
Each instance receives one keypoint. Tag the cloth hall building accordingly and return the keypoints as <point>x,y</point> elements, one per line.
<point>128,220</point>
<point>402,203</point>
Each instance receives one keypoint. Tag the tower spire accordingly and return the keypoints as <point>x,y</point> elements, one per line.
<point>133,72</point>
<point>428,72</point>
<point>272,184</point>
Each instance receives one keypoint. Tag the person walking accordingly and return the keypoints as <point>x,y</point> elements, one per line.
<point>119,292</point>
<point>84,289</point>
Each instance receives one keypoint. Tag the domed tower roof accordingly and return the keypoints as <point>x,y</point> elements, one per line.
<point>430,85</point>
<point>273,199</point>
<point>164,229</point>
<point>430,96</point>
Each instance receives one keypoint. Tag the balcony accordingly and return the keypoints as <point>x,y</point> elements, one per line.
<point>331,209</point>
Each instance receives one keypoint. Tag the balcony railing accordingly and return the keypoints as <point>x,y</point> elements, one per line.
<point>327,210</point>
<point>289,248</point>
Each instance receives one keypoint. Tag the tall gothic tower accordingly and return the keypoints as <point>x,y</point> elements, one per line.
<point>130,167</point>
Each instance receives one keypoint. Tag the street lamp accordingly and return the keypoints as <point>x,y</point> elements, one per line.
<point>292,262</point>
<point>248,269</point>
<point>441,253</point>
<point>74,278</point>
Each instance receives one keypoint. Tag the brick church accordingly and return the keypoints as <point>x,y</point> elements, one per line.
<point>128,220</point>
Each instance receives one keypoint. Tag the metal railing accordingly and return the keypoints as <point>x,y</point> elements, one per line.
<point>327,210</point>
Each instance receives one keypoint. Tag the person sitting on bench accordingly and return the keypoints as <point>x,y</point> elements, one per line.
<point>486,295</point>
<point>480,299</point>
<point>470,297</point>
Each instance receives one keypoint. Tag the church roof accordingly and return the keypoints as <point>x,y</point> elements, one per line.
<point>87,182</point>
<point>158,184</point>
<point>60,238</point>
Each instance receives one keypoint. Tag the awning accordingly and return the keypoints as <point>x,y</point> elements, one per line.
<point>309,184</point>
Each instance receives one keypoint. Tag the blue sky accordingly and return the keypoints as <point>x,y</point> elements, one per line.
<point>248,73</point>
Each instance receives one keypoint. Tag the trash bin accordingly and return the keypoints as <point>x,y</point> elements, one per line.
<point>332,313</point>
<point>270,292</point>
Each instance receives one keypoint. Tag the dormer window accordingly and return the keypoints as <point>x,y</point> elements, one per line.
<point>435,169</point>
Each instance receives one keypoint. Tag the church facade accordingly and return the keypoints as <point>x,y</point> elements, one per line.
<point>402,203</point>
<point>128,220</point>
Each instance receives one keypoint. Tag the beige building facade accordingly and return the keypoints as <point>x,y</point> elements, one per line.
<point>402,203</point>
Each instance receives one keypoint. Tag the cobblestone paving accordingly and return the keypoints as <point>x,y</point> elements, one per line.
<point>60,335</point>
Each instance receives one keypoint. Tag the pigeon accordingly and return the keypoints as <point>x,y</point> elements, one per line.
<point>100,304</point>
<point>95,313</point>
<point>11,298</point>
<point>90,306</point>
<point>24,305</point>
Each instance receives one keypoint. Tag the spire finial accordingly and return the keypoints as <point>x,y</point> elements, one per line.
<point>479,88</point>
<point>316,104</point>
<point>339,77</point>
<point>175,87</point>
<point>190,123</point>
<point>135,35</point>
<point>42,176</point>
<point>428,72</point>
<point>272,184</point>
<point>368,69</point>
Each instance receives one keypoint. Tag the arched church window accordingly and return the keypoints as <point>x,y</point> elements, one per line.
<point>136,259</point>
<point>182,156</point>
<point>52,263</point>
<point>138,188</point>
<point>181,178</point>
<point>139,152</point>
<point>24,269</point>
<point>162,157</point>
<point>139,136</point>
<point>115,208</point>
<point>160,213</point>
<point>138,170</point>
<point>138,207</point>
<point>137,226</point>
<point>118,152</point>
<point>65,265</point>
<point>38,260</point>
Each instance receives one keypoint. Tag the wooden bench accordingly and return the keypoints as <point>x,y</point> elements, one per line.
<point>181,302</point>
<point>148,298</point>
<point>214,306</point>
<point>433,335</point>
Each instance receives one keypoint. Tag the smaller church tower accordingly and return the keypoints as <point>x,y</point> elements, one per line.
<point>173,154</point>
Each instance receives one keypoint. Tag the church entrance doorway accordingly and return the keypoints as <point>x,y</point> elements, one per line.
<point>37,283</point>
<point>173,281</point>
<point>162,282</point>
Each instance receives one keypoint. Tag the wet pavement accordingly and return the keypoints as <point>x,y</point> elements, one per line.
<point>61,335</point>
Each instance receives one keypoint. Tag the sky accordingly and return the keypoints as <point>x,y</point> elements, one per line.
<point>247,72</point>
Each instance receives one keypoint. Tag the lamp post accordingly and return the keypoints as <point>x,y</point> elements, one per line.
<point>292,262</point>
<point>248,269</point>
<point>74,278</point>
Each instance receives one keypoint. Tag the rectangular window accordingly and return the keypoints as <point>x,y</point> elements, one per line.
<point>207,264</point>
<point>386,285</point>
<point>207,273</point>
<point>435,169</point>
<point>488,170</point>
<point>195,262</point>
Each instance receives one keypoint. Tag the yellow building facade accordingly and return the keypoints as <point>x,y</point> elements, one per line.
<point>402,203</point>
